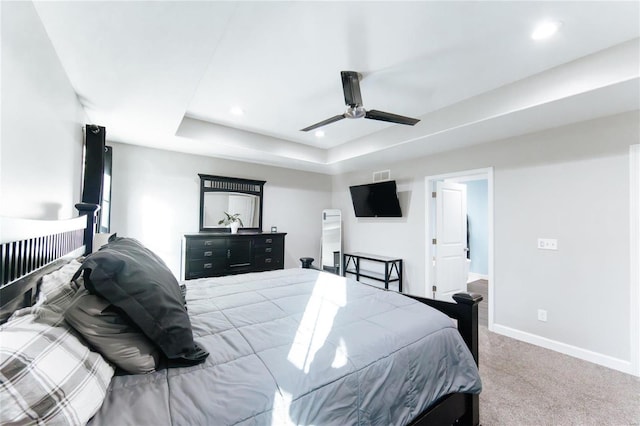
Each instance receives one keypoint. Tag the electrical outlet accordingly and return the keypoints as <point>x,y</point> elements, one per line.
<point>547,244</point>
<point>542,315</point>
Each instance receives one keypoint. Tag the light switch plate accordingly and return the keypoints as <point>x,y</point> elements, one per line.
<point>542,315</point>
<point>547,244</point>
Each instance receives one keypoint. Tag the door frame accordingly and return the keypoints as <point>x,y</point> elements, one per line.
<point>461,176</point>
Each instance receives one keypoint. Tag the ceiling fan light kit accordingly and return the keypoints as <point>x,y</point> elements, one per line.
<point>353,101</point>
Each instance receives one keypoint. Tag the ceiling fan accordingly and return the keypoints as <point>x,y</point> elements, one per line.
<point>353,100</point>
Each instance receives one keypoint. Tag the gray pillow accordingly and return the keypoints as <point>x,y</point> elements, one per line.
<point>105,329</point>
<point>137,282</point>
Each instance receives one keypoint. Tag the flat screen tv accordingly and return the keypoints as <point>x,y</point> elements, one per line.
<point>376,200</point>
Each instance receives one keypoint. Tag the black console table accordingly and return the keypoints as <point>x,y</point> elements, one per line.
<point>352,266</point>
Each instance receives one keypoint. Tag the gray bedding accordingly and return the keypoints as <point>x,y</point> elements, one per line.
<point>299,346</point>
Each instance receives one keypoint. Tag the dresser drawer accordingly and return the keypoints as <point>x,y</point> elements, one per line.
<point>265,263</point>
<point>207,266</point>
<point>206,243</point>
<point>206,252</point>
<point>194,275</point>
<point>268,240</point>
<point>273,250</point>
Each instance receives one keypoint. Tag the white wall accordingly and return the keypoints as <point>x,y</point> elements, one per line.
<point>41,136</point>
<point>156,199</point>
<point>569,183</point>
<point>478,214</point>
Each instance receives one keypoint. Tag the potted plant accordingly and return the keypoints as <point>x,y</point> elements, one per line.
<point>233,221</point>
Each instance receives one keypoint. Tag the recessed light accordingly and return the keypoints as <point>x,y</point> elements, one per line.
<point>236,111</point>
<point>545,30</point>
<point>319,134</point>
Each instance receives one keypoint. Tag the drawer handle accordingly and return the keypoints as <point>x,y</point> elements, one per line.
<point>268,241</point>
<point>268,250</point>
<point>208,265</point>
<point>208,253</point>
<point>267,260</point>
<point>208,243</point>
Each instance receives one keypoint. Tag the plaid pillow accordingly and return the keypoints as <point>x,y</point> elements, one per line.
<point>47,375</point>
<point>57,289</point>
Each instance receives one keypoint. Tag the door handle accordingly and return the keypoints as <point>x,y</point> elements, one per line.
<point>208,265</point>
<point>208,253</point>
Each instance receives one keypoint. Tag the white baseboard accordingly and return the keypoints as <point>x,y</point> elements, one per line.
<point>475,277</point>
<point>574,351</point>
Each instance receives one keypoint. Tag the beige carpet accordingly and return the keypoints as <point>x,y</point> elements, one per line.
<point>527,385</point>
<point>481,287</point>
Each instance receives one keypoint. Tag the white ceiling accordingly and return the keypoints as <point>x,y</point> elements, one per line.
<point>166,74</point>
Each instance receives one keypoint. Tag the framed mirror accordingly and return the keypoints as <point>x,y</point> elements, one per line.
<point>235,196</point>
<point>332,241</point>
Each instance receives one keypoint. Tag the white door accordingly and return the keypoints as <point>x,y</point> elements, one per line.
<point>451,240</point>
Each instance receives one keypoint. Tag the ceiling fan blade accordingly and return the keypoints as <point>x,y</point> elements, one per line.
<point>392,118</point>
<point>351,88</point>
<point>323,123</point>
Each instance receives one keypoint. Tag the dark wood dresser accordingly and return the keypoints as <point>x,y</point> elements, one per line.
<point>209,254</point>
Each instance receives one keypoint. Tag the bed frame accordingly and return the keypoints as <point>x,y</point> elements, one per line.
<point>457,408</point>
<point>30,249</point>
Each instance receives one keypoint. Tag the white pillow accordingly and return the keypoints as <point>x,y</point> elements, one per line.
<point>48,375</point>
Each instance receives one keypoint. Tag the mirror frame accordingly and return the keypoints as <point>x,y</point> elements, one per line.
<point>212,183</point>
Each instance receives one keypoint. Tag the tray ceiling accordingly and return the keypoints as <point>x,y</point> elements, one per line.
<point>167,74</point>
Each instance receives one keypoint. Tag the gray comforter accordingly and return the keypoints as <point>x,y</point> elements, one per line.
<point>299,346</point>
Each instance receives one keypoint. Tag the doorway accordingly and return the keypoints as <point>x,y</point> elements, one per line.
<point>450,212</point>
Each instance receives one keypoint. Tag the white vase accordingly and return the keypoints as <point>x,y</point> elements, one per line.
<point>234,227</point>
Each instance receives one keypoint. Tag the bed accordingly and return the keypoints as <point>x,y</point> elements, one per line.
<point>295,346</point>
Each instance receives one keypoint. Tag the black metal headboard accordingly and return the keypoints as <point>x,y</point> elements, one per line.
<point>31,248</point>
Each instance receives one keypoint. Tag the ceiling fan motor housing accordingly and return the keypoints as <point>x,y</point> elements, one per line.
<point>351,88</point>
<point>355,112</point>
